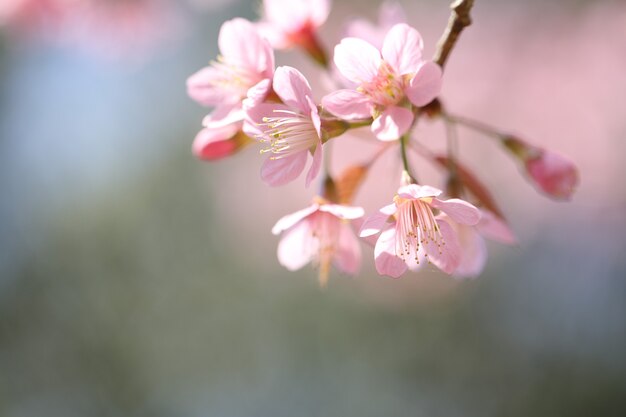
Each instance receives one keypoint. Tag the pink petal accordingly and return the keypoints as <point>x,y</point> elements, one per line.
<point>286,15</point>
<point>295,248</point>
<point>257,93</point>
<point>415,263</point>
<point>315,116</point>
<point>425,84</point>
<point>348,253</point>
<point>357,60</point>
<point>402,48</point>
<point>375,223</point>
<point>277,37</point>
<point>214,144</point>
<point>290,220</point>
<point>315,165</point>
<point>348,104</point>
<point>495,228</point>
<point>448,256</point>
<point>473,252</point>
<point>356,226</point>
<point>392,123</point>
<point>281,171</point>
<point>224,115</point>
<point>320,9</point>
<point>201,88</point>
<point>292,88</point>
<point>414,191</point>
<point>385,258</point>
<point>343,212</point>
<point>242,46</point>
<point>459,210</point>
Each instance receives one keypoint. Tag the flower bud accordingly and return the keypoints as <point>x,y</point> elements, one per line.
<point>553,174</point>
<point>550,172</point>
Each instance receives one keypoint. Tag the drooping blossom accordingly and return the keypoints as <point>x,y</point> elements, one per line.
<point>320,234</point>
<point>388,81</point>
<point>551,173</point>
<point>243,71</point>
<point>288,23</point>
<point>472,241</point>
<point>390,13</point>
<point>410,233</point>
<point>289,131</point>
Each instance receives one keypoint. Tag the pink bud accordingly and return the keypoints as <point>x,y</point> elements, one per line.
<point>214,144</point>
<point>553,174</point>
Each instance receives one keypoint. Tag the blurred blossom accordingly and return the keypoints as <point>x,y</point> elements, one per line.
<point>321,234</point>
<point>291,22</point>
<point>28,16</point>
<point>389,14</point>
<point>110,29</point>
<point>288,23</point>
<point>472,242</point>
<point>208,5</point>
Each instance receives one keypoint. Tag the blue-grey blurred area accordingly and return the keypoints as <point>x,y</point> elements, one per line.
<point>126,289</point>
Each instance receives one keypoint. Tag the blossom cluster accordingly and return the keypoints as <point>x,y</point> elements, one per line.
<point>386,83</point>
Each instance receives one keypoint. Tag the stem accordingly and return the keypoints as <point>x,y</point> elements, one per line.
<point>459,20</point>
<point>405,160</point>
<point>359,123</point>
<point>477,126</point>
<point>454,185</point>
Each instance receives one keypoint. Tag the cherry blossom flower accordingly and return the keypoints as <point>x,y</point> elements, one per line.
<point>246,59</point>
<point>320,234</point>
<point>289,131</point>
<point>242,72</point>
<point>390,13</point>
<point>411,233</point>
<point>472,241</point>
<point>287,23</point>
<point>386,79</point>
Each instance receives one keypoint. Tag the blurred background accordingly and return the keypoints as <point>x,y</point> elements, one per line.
<point>136,280</point>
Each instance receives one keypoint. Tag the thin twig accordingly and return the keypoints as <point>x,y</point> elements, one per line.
<point>459,20</point>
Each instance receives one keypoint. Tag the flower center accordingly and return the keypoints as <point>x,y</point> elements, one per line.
<point>287,133</point>
<point>386,88</point>
<point>415,225</point>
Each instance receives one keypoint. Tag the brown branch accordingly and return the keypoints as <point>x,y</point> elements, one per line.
<point>459,20</point>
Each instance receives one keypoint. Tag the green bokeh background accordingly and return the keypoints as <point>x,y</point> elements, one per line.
<point>124,292</point>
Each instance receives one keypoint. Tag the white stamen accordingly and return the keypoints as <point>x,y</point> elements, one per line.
<point>287,133</point>
<point>415,225</point>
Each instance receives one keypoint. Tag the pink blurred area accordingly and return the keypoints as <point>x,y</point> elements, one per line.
<point>112,29</point>
<point>557,81</point>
